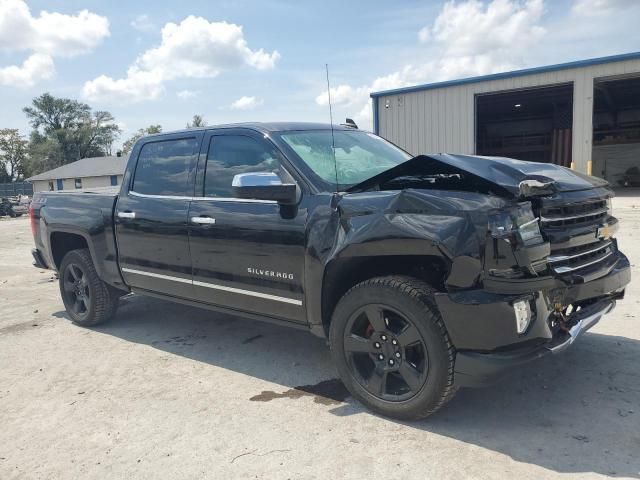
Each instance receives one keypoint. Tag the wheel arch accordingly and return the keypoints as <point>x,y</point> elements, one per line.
<point>63,242</point>
<point>343,273</point>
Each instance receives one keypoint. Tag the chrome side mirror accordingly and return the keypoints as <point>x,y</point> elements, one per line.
<point>263,186</point>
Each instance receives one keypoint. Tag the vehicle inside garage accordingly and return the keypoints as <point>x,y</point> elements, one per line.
<point>530,124</point>
<point>616,131</point>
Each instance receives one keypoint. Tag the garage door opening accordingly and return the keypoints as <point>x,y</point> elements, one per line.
<point>532,124</point>
<point>616,131</point>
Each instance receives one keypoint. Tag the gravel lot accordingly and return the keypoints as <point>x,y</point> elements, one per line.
<point>167,391</point>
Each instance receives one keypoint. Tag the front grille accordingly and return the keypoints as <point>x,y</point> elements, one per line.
<point>574,214</point>
<point>576,258</point>
<point>564,222</point>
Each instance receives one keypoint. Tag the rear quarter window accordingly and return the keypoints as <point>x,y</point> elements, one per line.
<point>166,168</point>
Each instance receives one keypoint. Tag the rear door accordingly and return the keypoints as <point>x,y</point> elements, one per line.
<point>152,215</point>
<point>247,255</point>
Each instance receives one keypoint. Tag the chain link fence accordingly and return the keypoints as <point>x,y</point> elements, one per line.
<point>14,189</point>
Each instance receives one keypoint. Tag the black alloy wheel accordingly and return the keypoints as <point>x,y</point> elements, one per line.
<point>386,353</point>
<point>88,300</point>
<point>77,295</point>
<point>391,347</point>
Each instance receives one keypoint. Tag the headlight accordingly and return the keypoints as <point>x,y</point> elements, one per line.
<point>516,223</point>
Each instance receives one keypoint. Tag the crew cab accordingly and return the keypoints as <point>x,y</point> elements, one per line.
<point>423,273</point>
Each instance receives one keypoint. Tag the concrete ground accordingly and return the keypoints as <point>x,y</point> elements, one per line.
<point>166,391</point>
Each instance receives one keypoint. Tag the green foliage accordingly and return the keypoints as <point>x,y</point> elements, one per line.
<point>129,143</point>
<point>45,153</point>
<point>66,130</point>
<point>197,121</point>
<point>13,155</point>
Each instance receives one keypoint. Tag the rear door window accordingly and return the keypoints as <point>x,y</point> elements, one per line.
<point>166,168</point>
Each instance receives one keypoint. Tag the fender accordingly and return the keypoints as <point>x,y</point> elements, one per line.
<point>438,225</point>
<point>97,231</point>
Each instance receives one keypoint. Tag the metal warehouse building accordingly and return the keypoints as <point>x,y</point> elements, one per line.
<point>583,114</point>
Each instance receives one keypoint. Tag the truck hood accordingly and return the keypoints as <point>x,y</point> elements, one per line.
<point>515,177</point>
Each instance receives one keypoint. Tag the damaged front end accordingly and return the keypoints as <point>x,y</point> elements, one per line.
<point>551,270</point>
<point>546,266</point>
<point>515,249</point>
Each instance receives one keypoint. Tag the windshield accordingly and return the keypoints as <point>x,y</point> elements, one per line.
<point>359,155</point>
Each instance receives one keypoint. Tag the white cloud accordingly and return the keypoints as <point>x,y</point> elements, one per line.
<point>48,35</point>
<point>466,39</point>
<point>53,33</point>
<point>246,103</point>
<point>194,48</point>
<point>138,85</point>
<point>424,35</point>
<point>143,23</point>
<point>342,95</point>
<point>473,28</point>
<point>36,68</point>
<point>186,94</point>
<point>592,8</point>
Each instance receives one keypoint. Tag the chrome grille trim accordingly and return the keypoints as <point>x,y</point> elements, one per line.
<point>561,221</point>
<point>568,269</point>
<point>573,217</point>
<point>564,258</point>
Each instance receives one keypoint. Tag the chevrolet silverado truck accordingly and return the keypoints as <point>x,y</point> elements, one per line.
<point>424,274</point>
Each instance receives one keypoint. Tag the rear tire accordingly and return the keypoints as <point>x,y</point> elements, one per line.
<point>88,300</point>
<point>391,347</point>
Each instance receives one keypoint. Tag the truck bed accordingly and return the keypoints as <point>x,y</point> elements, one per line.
<point>82,218</point>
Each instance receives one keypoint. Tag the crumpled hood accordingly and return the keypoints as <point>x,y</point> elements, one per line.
<point>506,173</point>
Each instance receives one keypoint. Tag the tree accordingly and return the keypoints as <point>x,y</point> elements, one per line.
<point>129,143</point>
<point>96,135</point>
<point>71,129</point>
<point>197,121</point>
<point>13,154</point>
<point>44,153</point>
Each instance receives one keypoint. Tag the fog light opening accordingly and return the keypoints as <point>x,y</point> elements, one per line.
<point>522,311</point>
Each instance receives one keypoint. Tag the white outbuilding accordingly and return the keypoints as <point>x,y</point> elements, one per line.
<point>94,172</point>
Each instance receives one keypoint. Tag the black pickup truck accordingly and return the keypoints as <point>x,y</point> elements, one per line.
<point>424,274</point>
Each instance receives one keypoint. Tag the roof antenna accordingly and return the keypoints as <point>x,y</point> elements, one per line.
<point>333,141</point>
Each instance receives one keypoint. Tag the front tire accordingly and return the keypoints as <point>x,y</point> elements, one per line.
<point>391,347</point>
<point>88,300</point>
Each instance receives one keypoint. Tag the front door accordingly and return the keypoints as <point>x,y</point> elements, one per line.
<point>152,216</point>
<point>247,255</point>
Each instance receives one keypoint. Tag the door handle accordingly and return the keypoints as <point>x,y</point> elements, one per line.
<point>126,214</point>
<point>203,220</point>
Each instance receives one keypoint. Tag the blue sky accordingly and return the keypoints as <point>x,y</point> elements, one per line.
<point>267,61</point>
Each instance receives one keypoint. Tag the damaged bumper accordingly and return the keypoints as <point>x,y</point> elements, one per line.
<point>586,319</point>
<point>482,324</point>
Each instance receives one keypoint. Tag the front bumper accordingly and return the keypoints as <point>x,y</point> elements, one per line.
<point>475,369</point>
<point>482,324</point>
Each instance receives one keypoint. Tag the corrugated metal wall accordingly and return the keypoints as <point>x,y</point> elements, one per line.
<point>443,119</point>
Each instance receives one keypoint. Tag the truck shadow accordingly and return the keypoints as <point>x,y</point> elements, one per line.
<point>574,413</point>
